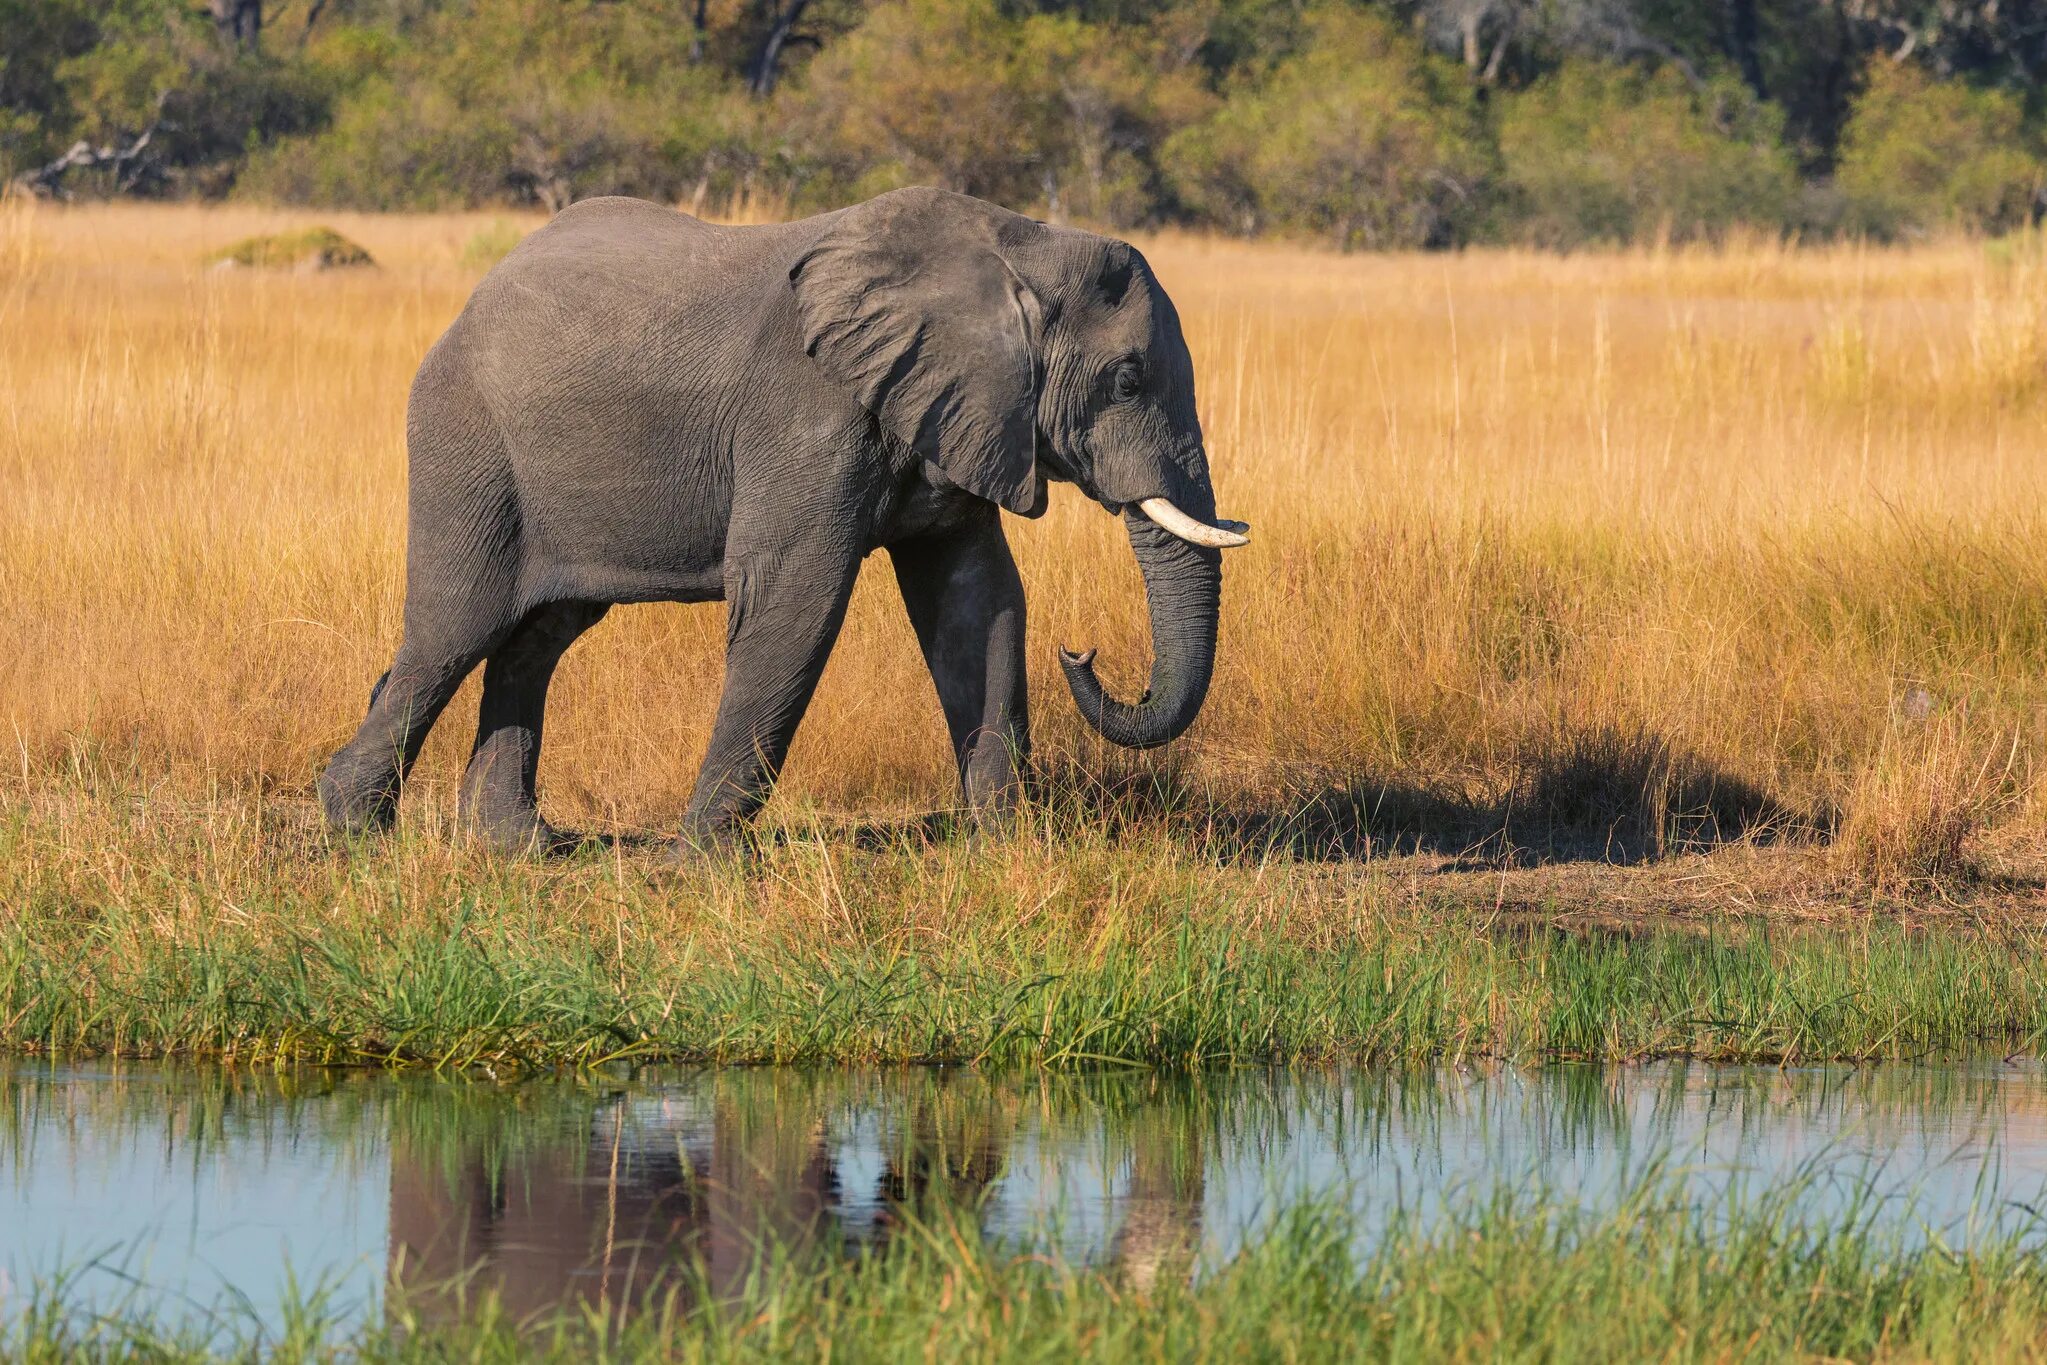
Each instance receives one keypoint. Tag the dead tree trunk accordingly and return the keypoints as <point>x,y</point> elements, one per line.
<point>1744,38</point>
<point>761,78</point>
<point>238,22</point>
<point>127,162</point>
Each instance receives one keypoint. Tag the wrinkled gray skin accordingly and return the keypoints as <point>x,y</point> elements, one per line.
<point>636,406</point>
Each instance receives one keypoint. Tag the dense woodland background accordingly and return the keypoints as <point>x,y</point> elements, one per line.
<point>1399,123</point>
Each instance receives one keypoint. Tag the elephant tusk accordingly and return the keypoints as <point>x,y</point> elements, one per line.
<point>1224,535</point>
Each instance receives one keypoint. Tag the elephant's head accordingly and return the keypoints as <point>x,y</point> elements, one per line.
<point>1007,352</point>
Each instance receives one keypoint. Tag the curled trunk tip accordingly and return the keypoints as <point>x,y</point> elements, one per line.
<point>1183,590</point>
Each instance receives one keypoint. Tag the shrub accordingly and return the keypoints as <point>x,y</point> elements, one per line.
<point>1599,153</point>
<point>1919,155</point>
<point>1045,111</point>
<point>315,248</point>
<point>536,100</point>
<point>1119,93</point>
<point>932,91</point>
<point>161,71</point>
<point>1361,138</point>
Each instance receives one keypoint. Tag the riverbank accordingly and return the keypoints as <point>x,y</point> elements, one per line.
<point>135,923</point>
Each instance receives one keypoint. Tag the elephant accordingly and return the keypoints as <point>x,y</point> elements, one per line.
<point>638,406</point>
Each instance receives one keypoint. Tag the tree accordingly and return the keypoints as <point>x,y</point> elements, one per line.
<point>37,39</point>
<point>1601,153</point>
<point>239,23</point>
<point>937,91</point>
<point>1920,154</point>
<point>760,77</point>
<point>1361,138</point>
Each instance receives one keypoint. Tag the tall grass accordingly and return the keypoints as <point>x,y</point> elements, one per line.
<point>230,929</point>
<point>1612,555</point>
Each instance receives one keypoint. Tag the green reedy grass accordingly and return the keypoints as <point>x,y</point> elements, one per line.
<point>1507,1275</point>
<point>237,931</point>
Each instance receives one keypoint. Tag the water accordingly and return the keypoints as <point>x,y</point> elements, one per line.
<point>179,1191</point>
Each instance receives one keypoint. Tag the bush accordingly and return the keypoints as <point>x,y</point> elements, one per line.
<point>1599,153</point>
<point>37,38</point>
<point>1118,94</point>
<point>1360,138</point>
<point>1045,111</point>
<point>314,248</point>
<point>1322,117</point>
<point>932,92</point>
<point>1919,155</point>
<point>160,70</point>
<point>535,100</point>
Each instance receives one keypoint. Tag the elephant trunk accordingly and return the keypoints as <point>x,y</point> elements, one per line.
<point>1183,587</point>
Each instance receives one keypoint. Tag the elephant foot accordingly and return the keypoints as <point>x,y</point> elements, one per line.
<point>520,832</point>
<point>358,799</point>
<point>998,819</point>
<point>718,843</point>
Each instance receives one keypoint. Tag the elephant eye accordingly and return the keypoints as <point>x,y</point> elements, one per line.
<point>1127,382</point>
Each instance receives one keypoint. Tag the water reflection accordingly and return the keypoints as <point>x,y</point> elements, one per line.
<point>637,1180</point>
<point>595,1191</point>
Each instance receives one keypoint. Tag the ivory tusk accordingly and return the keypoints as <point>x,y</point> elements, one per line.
<point>1225,535</point>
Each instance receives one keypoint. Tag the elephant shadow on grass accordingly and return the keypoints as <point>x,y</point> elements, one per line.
<point>1606,796</point>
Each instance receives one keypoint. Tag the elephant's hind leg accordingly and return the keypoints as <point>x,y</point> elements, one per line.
<point>463,556</point>
<point>359,790</point>
<point>498,801</point>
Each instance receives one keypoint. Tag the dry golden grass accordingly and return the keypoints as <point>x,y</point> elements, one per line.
<point>1650,547</point>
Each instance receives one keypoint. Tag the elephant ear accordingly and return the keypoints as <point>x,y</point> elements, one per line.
<point>908,302</point>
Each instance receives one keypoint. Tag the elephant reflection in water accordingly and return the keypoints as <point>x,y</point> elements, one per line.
<point>955,1142</point>
<point>609,1217</point>
<point>607,1213</point>
<point>948,1142</point>
<point>1160,1230</point>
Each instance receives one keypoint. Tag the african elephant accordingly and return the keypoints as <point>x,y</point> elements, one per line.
<point>636,406</point>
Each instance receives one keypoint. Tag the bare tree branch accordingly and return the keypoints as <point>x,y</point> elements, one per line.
<point>126,162</point>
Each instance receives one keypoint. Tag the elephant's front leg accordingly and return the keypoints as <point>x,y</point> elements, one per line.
<point>966,603</point>
<point>784,609</point>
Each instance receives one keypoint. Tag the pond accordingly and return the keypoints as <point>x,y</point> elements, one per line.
<point>180,1192</point>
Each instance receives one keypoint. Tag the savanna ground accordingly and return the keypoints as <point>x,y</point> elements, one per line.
<point>1637,652</point>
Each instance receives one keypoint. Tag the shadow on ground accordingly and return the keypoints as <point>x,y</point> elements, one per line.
<point>1606,796</point>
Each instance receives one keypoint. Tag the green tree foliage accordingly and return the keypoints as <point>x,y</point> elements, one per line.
<point>37,38</point>
<point>116,73</point>
<point>1599,153</point>
<point>546,100</point>
<point>1366,123</point>
<point>1045,109</point>
<point>1919,155</point>
<point>1359,137</point>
